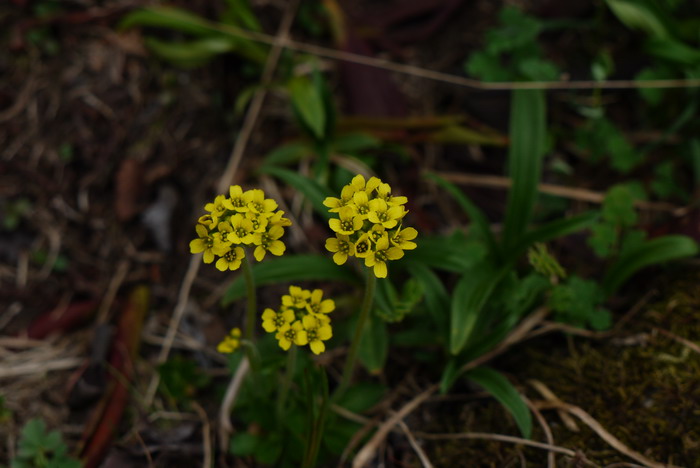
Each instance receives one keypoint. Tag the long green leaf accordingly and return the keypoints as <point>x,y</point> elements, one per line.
<point>645,15</point>
<point>170,18</point>
<point>190,53</point>
<point>437,300</point>
<point>455,253</point>
<point>506,394</point>
<point>659,250</point>
<point>311,189</point>
<point>527,145</point>
<point>468,299</point>
<point>288,268</point>
<point>553,230</point>
<point>481,226</point>
<point>308,103</point>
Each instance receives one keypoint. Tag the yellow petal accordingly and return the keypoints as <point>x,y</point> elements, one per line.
<point>317,347</point>
<point>380,270</point>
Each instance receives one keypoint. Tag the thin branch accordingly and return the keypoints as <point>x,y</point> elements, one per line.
<point>498,437</point>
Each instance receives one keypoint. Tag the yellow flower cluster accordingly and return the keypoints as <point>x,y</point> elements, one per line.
<point>242,219</point>
<point>231,343</point>
<point>369,224</point>
<point>302,319</point>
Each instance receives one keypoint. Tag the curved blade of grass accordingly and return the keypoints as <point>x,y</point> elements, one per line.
<point>170,18</point>
<point>288,268</point>
<point>311,189</point>
<point>481,223</point>
<point>468,299</point>
<point>527,145</point>
<point>506,394</point>
<point>659,250</point>
<point>553,230</point>
<point>190,53</point>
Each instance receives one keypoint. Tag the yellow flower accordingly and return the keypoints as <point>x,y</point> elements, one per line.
<point>231,260</point>
<point>205,244</point>
<point>261,205</point>
<point>402,238</point>
<point>239,199</point>
<point>289,334</point>
<point>361,204</point>
<point>218,208</point>
<point>317,332</point>
<point>273,321</point>
<point>348,222</point>
<point>231,342</point>
<point>207,221</point>
<point>224,238</point>
<point>377,232</point>
<point>297,297</point>
<point>342,246</point>
<point>384,192</point>
<point>258,221</point>
<point>363,246</point>
<point>382,213</point>
<point>268,242</point>
<point>317,305</point>
<point>278,220</point>
<point>242,229</point>
<point>383,253</point>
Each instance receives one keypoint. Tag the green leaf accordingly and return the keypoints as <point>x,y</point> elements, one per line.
<point>527,145</point>
<point>455,253</point>
<point>506,394</point>
<point>577,302</point>
<point>351,143</point>
<point>169,18</point>
<point>374,345</point>
<point>362,396</point>
<point>554,230</point>
<point>674,51</point>
<point>468,299</point>
<point>437,299</point>
<point>603,239</point>
<point>644,15</point>
<point>308,103</point>
<point>243,444</point>
<point>487,67</point>
<point>191,53</point>
<point>480,224</point>
<point>653,95</point>
<point>655,251</point>
<point>239,14</point>
<point>291,268</point>
<point>311,189</point>
<point>618,206</point>
<point>287,154</point>
<point>517,30</point>
<point>539,69</point>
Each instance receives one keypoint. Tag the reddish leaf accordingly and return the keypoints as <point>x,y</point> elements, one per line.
<point>62,319</point>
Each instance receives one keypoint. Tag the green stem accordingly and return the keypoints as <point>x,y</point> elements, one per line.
<point>359,328</point>
<point>250,289</point>
<point>286,383</point>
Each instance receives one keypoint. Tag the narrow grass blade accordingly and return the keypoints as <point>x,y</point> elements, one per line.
<point>659,250</point>
<point>311,189</point>
<point>437,300</point>
<point>553,230</point>
<point>527,145</point>
<point>481,224</point>
<point>288,268</point>
<point>455,253</point>
<point>506,394</point>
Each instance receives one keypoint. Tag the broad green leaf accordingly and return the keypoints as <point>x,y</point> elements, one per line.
<point>362,396</point>
<point>468,298</point>
<point>374,345</point>
<point>527,145</point>
<point>455,253</point>
<point>487,67</point>
<point>481,225</point>
<point>437,299</point>
<point>291,268</point>
<point>308,103</point>
<point>311,189</point>
<point>506,394</point>
<point>191,53</point>
<point>644,15</point>
<point>674,51</point>
<point>659,250</point>
<point>287,154</point>
<point>355,142</point>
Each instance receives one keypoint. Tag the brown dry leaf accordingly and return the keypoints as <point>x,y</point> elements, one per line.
<point>129,185</point>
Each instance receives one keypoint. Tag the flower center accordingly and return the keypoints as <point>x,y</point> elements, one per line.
<point>238,202</point>
<point>347,225</point>
<point>380,255</point>
<point>362,248</point>
<point>230,256</point>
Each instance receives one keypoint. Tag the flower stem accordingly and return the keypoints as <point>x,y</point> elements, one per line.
<point>359,328</point>
<point>250,290</point>
<point>286,383</point>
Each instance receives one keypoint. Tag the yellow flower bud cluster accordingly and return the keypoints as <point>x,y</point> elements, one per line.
<point>241,219</point>
<point>231,342</point>
<point>369,224</point>
<point>301,319</point>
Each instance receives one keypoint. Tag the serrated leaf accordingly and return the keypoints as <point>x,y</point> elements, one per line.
<point>618,206</point>
<point>528,140</point>
<point>655,251</point>
<point>487,67</point>
<point>311,189</point>
<point>506,394</point>
<point>308,103</point>
<point>291,268</point>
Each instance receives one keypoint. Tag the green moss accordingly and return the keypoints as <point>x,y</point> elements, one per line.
<point>642,386</point>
